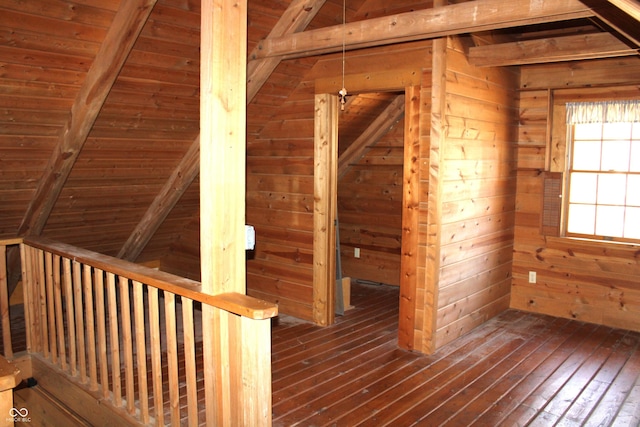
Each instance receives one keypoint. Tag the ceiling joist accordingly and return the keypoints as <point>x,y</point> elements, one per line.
<point>567,48</point>
<point>631,7</point>
<point>620,15</point>
<point>479,15</point>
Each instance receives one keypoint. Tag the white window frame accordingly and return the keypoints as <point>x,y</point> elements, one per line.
<point>592,114</point>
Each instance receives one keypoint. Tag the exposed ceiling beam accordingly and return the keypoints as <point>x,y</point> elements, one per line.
<point>631,7</point>
<point>119,40</point>
<point>615,14</point>
<point>180,179</point>
<point>567,48</point>
<point>376,130</point>
<point>294,19</point>
<point>479,15</point>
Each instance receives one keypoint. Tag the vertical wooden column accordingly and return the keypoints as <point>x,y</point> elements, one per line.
<point>434,200</point>
<point>324,211</point>
<point>9,379</point>
<point>410,219</point>
<point>237,358</point>
<point>434,214</point>
<point>222,145</point>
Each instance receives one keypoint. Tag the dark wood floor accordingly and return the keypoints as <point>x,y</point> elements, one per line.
<point>518,369</point>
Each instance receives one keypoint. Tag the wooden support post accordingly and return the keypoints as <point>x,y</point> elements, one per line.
<point>410,220</point>
<point>324,210</point>
<point>222,145</point>
<point>237,351</point>
<point>434,214</point>
<point>9,379</point>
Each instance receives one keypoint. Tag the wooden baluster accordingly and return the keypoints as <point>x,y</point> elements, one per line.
<point>28,295</point>
<point>190,360</point>
<point>57,290</point>
<point>114,340</point>
<point>156,356</point>
<point>127,343</point>
<point>101,324</point>
<point>172,356</point>
<point>79,311</point>
<point>50,314</point>
<point>42,303</point>
<point>71,324</point>
<point>87,279</point>
<point>141,351</point>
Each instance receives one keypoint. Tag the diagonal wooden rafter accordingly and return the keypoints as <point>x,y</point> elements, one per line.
<point>295,18</point>
<point>180,179</point>
<point>567,48</point>
<point>376,130</point>
<point>631,7</point>
<point>614,13</point>
<point>119,40</point>
<point>479,15</point>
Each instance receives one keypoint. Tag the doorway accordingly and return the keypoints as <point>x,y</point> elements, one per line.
<point>328,168</point>
<point>369,195</point>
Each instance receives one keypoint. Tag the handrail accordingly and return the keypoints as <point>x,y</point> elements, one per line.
<point>105,321</point>
<point>11,241</point>
<point>236,303</point>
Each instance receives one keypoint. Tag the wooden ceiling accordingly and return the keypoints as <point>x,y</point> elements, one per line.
<point>99,99</point>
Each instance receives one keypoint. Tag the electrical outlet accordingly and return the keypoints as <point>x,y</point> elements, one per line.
<point>356,252</point>
<point>532,277</point>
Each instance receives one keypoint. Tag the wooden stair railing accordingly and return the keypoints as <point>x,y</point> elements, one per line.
<point>132,336</point>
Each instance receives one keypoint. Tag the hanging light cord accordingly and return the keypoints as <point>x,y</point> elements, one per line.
<point>343,91</point>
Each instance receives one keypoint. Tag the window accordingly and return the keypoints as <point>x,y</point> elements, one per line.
<point>602,193</point>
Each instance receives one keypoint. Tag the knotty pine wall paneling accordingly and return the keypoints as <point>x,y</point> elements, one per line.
<point>280,169</point>
<point>477,194</point>
<point>370,212</point>
<point>596,282</point>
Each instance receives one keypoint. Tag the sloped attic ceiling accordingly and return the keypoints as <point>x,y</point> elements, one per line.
<point>142,129</point>
<point>54,76</point>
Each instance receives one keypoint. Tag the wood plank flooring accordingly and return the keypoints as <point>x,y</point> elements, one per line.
<point>518,369</point>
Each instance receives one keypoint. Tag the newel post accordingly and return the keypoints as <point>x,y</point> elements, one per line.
<point>237,349</point>
<point>9,379</point>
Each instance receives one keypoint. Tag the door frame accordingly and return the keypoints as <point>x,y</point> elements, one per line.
<point>325,198</point>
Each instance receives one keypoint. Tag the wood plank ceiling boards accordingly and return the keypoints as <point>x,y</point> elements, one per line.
<point>122,34</point>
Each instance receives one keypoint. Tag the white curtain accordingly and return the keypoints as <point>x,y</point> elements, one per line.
<point>603,112</point>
